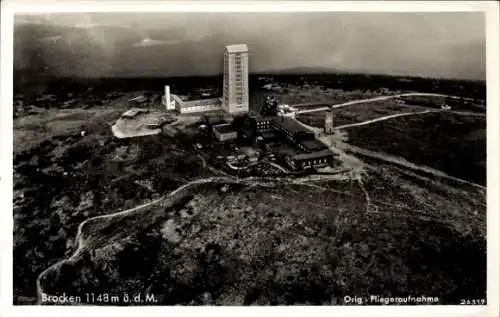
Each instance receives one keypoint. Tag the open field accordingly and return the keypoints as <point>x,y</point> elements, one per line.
<point>310,97</point>
<point>273,244</point>
<point>454,144</point>
<point>436,102</point>
<point>298,95</point>
<point>30,131</point>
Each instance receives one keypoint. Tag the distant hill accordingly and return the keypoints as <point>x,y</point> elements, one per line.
<point>301,70</point>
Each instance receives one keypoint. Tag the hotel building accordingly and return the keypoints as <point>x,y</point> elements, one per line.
<point>235,90</point>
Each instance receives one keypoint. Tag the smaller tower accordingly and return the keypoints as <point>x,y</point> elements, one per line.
<point>328,128</point>
<point>169,104</point>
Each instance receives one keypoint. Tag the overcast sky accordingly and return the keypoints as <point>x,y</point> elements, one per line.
<point>427,44</point>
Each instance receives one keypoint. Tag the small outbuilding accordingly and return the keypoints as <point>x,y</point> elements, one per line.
<point>224,132</point>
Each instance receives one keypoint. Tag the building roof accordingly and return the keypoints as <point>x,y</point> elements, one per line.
<point>237,48</point>
<point>216,121</point>
<point>139,99</point>
<point>201,102</point>
<point>133,112</point>
<point>313,144</point>
<point>291,125</point>
<point>268,135</point>
<point>177,99</point>
<point>261,119</point>
<point>313,155</point>
<point>224,128</point>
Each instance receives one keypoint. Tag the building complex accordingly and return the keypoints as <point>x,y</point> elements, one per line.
<point>312,152</point>
<point>235,87</point>
<point>273,124</point>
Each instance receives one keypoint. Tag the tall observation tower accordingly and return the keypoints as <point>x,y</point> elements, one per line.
<point>235,90</point>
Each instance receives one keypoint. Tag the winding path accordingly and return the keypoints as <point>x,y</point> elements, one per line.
<point>386,118</point>
<point>166,200</point>
<point>353,102</point>
<point>81,242</point>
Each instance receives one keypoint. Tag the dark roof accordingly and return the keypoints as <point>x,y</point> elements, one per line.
<point>224,128</point>
<point>291,125</point>
<point>246,132</point>
<point>216,122</point>
<point>261,119</point>
<point>285,151</point>
<point>268,135</point>
<point>313,144</point>
<point>313,155</point>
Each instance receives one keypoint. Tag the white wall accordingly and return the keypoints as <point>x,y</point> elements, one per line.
<point>199,108</point>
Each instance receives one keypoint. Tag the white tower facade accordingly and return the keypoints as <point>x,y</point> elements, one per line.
<point>235,90</point>
<point>169,104</point>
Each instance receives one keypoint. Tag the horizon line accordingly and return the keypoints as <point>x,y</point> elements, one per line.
<point>283,72</point>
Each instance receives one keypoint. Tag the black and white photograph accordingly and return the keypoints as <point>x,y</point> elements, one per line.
<point>218,158</point>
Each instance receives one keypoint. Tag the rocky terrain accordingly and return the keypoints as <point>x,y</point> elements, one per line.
<point>279,243</point>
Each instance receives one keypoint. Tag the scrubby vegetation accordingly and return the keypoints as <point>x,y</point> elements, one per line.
<point>280,246</point>
<point>67,177</point>
<point>452,143</point>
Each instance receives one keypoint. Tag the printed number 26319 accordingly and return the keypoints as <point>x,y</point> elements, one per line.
<point>473,301</point>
